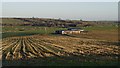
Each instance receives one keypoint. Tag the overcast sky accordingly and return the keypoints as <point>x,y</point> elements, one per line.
<point>60,0</point>
<point>64,10</point>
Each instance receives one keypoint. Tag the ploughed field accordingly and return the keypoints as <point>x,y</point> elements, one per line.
<point>37,46</point>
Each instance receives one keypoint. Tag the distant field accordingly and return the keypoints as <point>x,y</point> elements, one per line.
<point>11,21</point>
<point>109,33</point>
<point>9,31</point>
<point>30,29</point>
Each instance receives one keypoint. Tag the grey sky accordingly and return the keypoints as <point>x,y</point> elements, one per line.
<point>60,0</point>
<point>64,10</point>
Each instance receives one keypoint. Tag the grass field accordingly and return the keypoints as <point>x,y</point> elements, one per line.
<point>109,33</point>
<point>10,21</point>
<point>9,31</point>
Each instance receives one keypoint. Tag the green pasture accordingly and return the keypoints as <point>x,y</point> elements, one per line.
<point>9,31</point>
<point>103,28</point>
<point>11,21</point>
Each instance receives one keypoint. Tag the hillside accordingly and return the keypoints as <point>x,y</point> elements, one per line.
<point>12,21</point>
<point>33,41</point>
<point>52,22</point>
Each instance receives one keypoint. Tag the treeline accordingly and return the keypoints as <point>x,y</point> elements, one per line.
<point>55,22</point>
<point>49,22</point>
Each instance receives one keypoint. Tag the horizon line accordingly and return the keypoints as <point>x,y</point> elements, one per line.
<point>58,18</point>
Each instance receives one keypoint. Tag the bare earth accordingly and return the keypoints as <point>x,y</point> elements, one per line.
<point>27,47</point>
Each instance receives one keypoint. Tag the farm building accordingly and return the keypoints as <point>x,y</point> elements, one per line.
<point>69,31</point>
<point>74,28</point>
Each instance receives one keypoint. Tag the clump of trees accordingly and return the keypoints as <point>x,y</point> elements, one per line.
<point>48,22</point>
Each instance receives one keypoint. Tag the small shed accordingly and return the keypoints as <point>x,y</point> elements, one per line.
<point>67,32</point>
<point>70,31</point>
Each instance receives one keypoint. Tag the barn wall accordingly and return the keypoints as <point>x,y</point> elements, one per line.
<point>70,32</point>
